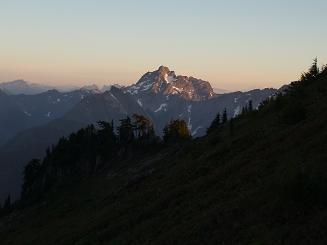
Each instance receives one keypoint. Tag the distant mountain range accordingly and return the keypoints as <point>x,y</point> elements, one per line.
<point>23,87</point>
<point>21,112</point>
<point>31,121</point>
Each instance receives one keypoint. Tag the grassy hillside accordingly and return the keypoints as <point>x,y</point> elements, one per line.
<point>261,180</point>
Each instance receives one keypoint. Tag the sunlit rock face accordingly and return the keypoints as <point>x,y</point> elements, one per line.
<point>166,82</point>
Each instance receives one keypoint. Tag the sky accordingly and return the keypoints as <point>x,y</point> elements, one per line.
<point>235,44</point>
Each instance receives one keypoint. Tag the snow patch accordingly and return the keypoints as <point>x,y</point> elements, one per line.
<point>189,123</point>
<point>143,82</point>
<point>170,79</point>
<point>141,86</point>
<point>27,113</point>
<point>189,109</point>
<point>196,130</point>
<point>48,114</point>
<point>237,111</point>
<point>133,90</point>
<point>114,97</point>
<point>162,107</point>
<point>177,90</point>
<point>139,102</point>
<point>147,87</point>
<point>166,78</point>
<point>56,101</point>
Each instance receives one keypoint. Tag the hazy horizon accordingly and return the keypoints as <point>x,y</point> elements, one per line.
<point>70,86</point>
<point>262,44</point>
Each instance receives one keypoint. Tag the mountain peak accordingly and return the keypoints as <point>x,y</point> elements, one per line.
<point>23,87</point>
<point>165,83</point>
<point>91,88</point>
<point>20,81</point>
<point>163,70</point>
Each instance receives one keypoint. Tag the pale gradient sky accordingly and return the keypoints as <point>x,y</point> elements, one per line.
<point>235,44</point>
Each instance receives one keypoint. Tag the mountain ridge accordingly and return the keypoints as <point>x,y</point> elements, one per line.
<point>23,87</point>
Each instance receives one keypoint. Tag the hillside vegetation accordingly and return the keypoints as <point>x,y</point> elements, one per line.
<point>260,178</point>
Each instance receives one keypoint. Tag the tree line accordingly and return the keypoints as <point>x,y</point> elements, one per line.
<point>89,149</point>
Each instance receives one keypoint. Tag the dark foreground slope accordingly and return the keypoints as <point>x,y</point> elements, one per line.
<point>260,180</point>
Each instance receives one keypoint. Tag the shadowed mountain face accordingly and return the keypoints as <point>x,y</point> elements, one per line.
<point>12,118</point>
<point>110,105</point>
<point>21,112</point>
<point>27,145</point>
<point>31,123</point>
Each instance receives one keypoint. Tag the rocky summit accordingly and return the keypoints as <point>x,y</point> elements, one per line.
<point>165,82</point>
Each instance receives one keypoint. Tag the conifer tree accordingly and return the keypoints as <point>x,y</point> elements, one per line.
<point>7,204</point>
<point>250,106</point>
<point>244,110</point>
<point>224,120</point>
<point>143,127</point>
<point>126,131</point>
<point>31,175</point>
<point>215,123</point>
<point>324,69</point>
<point>176,131</point>
<point>314,69</point>
<point>107,138</point>
<point>231,126</point>
<point>312,73</point>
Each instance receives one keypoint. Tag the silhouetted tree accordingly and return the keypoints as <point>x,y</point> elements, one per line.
<point>224,120</point>
<point>143,127</point>
<point>106,129</point>
<point>176,131</point>
<point>83,152</point>
<point>125,131</point>
<point>107,139</point>
<point>244,110</point>
<point>231,126</point>
<point>47,152</point>
<point>7,204</point>
<point>323,69</point>
<point>314,69</point>
<point>31,176</point>
<point>250,106</point>
<point>215,124</point>
<point>312,73</point>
